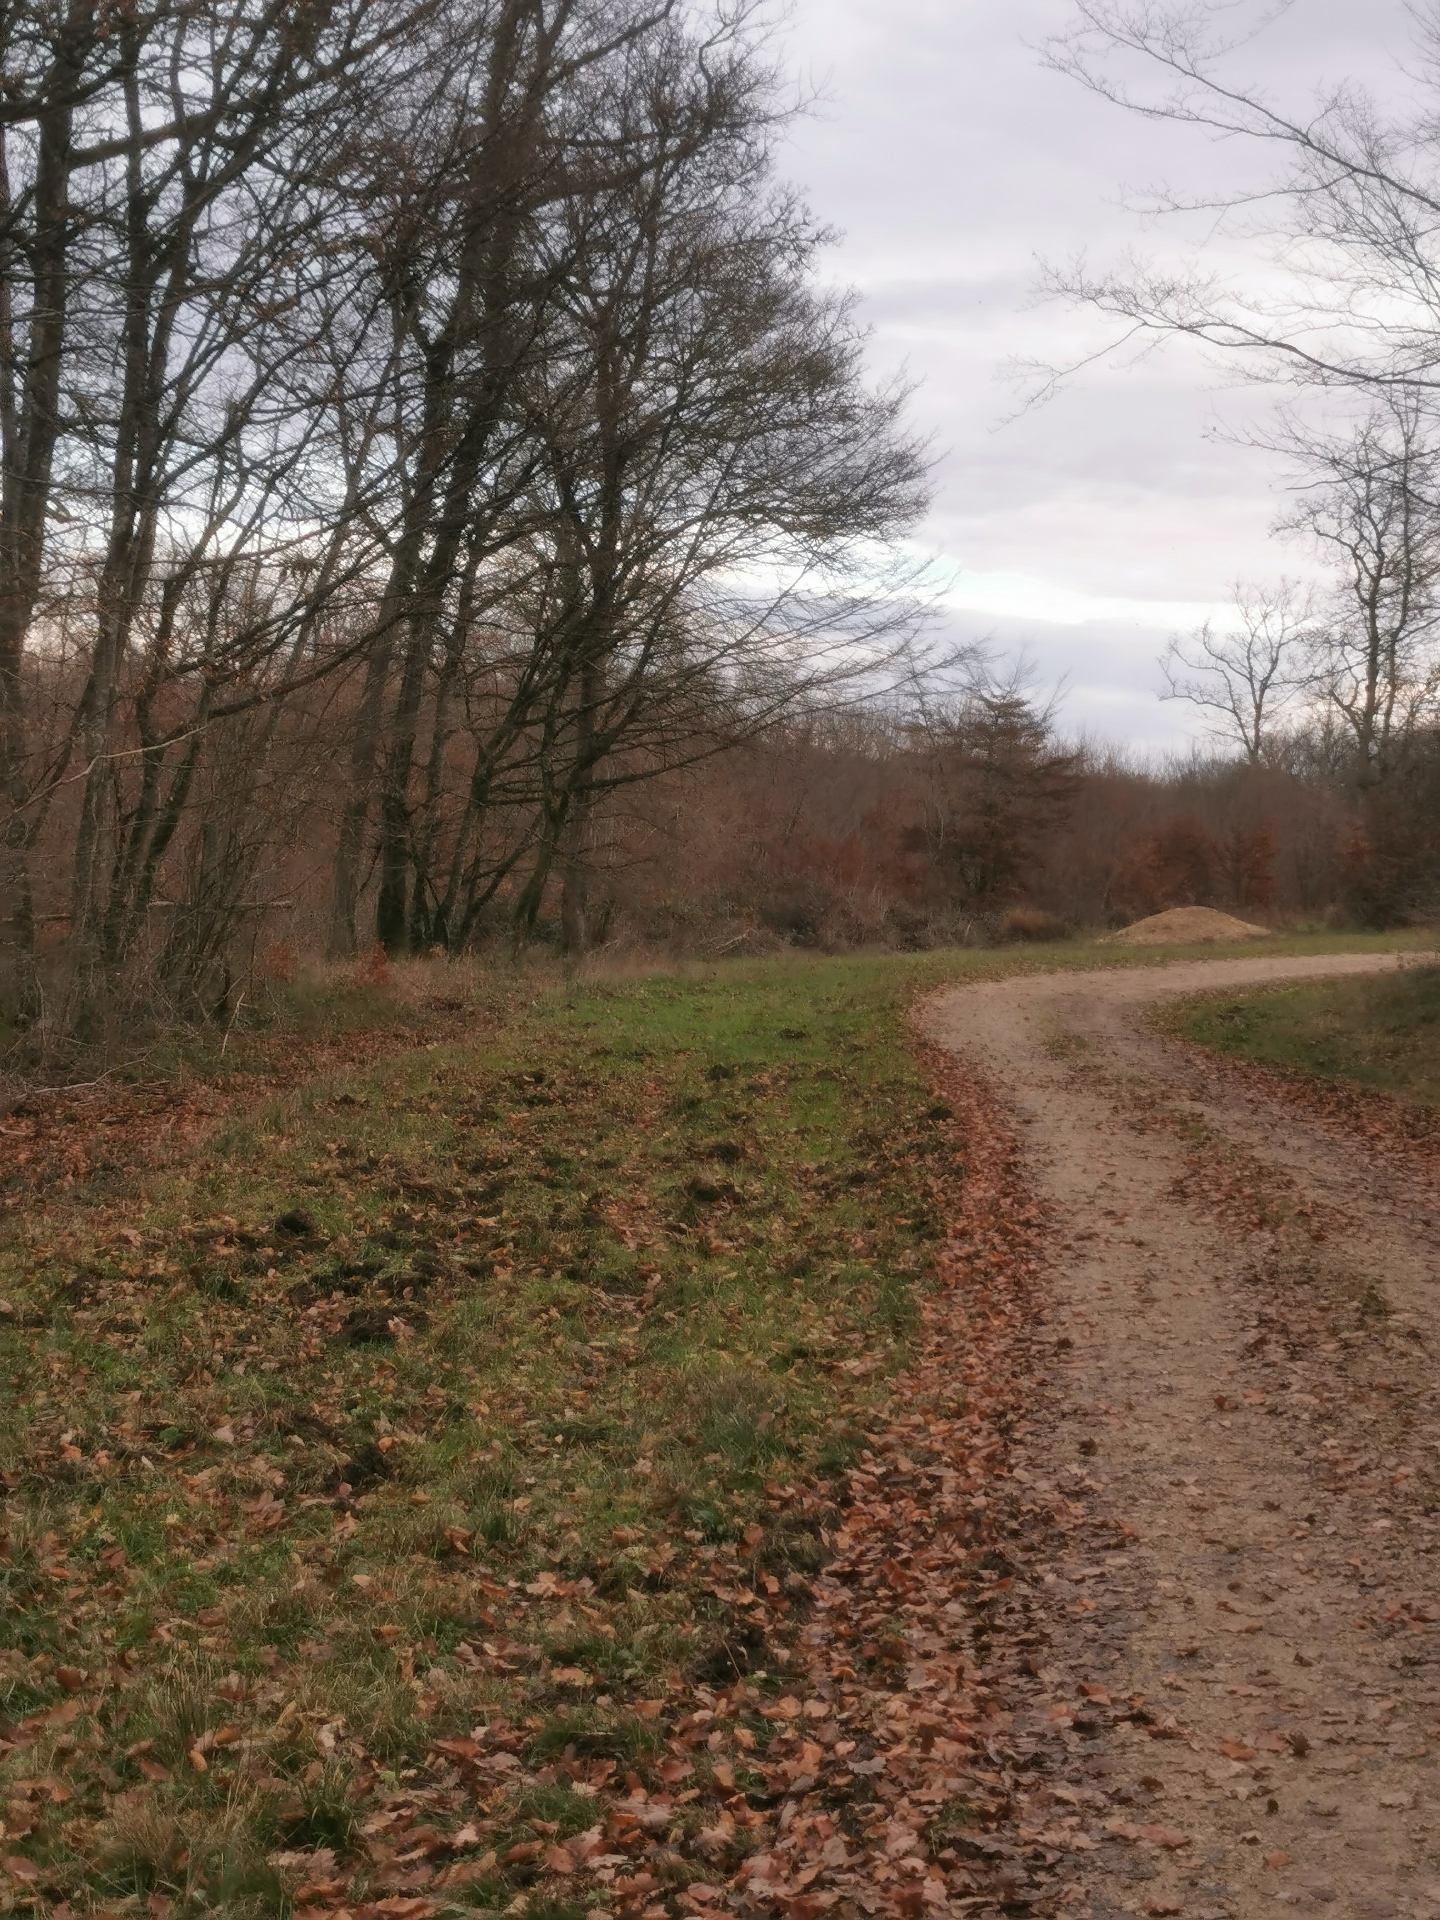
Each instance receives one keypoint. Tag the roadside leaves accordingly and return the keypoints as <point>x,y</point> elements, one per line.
<point>414,1499</point>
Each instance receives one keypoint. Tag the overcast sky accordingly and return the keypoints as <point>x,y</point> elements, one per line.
<point>1091,527</point>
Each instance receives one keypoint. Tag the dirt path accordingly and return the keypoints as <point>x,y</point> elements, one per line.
<point>1246,1396</point>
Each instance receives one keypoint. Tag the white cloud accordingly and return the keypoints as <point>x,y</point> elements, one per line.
<point>1013,596</point>
<point>953,162</point>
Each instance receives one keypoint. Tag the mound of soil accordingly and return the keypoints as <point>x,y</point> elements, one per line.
<point>1187,926</point>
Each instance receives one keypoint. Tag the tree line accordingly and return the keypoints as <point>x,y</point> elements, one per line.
<point>972,817</point>
<point>419,418</point>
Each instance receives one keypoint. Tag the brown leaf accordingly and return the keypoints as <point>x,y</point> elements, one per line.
<point>1164,1836</point>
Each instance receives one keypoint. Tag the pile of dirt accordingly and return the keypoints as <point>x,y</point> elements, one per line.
<point>1187,926</point>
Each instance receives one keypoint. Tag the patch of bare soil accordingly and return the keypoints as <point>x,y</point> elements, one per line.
<point>1187,926</point>
<point>1239,1319</point>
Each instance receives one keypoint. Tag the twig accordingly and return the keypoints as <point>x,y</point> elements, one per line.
<point>166,906</point>
<point>81,1086</point>
<point>240,1001</point>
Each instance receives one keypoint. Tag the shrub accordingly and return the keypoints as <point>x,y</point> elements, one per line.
<point>279,963</point>
<point>373,969</point>
<point>1031,923</point>
<point>795,916</point>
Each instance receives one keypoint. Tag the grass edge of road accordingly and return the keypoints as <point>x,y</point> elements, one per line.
<point>1379,1033</point>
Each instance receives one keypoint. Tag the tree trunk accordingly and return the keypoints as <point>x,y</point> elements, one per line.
<point>575,890</point>
<point>350,844</point>
<point>31,423</point>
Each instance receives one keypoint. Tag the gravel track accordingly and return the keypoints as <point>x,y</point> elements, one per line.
<point>1245,1312</point>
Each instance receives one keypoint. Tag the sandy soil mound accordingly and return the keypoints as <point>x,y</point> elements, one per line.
<point>1185,926</point>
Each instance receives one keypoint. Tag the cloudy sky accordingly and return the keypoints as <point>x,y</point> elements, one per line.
<point>1089,528</point>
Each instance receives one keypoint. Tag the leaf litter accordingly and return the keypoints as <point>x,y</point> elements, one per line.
<point>377,1545</point>
<point>867,1696</point>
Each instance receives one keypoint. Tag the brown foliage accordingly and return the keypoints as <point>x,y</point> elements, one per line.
<point>1031,923</point>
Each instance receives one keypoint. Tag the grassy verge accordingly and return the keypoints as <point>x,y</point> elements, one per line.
<point>387,1477</point>
<point>442,1393</point>
<point>1382,1034</point>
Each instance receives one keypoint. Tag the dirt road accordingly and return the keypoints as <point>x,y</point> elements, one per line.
<point>1245,1388</point>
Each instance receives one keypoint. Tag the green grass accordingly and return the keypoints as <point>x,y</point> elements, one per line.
<point>560,1306</point>
<point>458,1388</point>
<point>1381,1033</point>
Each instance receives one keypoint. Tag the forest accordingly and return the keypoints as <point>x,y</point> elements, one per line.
<point>446,508</point>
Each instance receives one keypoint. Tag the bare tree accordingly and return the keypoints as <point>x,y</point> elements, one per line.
<point>710,427</point>
<point>1243,678</point>
<point>1346,207</point>
<point>169,457</point>
<point>1348,201</point>
<point>465,300</point>
<point>698,455</point>
<point>422,411</point>
<point>1370,502</point>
